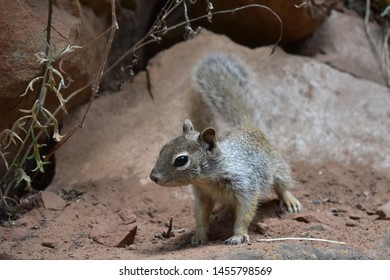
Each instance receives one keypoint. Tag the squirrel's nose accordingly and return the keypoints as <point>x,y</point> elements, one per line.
<point>153,176</point>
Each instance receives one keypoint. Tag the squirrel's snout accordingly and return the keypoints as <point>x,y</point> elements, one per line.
<point>153,176</point>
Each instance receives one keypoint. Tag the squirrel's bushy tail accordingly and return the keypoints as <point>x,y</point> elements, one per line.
<point>225,85</point>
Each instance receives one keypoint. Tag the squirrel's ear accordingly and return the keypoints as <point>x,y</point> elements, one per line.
<point>187,126</point>
<point>208,136</point>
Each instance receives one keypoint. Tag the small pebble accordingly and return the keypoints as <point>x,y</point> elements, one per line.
<point>351,224</point>
<point>262,227</point>
<point>48,244</point>
<point>354,217</point>
<point>384,211</point>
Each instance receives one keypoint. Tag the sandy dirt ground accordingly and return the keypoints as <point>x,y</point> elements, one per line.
<point>340,203</point>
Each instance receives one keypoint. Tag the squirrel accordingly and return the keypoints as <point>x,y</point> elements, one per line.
<point>236,170</point>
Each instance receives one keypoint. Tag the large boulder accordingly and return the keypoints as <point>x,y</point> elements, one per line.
<point>342,43</point>
<point>313,113</point>
<point>246,22</point>
<point>256,26</point>
<point>24,24</point>
<point>73,22</point>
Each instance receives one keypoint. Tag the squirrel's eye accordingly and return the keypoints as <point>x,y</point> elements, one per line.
<point>180,161</point>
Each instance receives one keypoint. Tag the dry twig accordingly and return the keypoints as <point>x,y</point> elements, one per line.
<point>299,239</point>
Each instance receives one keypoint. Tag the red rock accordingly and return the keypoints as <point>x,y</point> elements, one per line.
<point>129,238</point>
<point>52,201</point>
<point>328,45</point>
<point>384,211</point>
<point>113,231</point>
<point>127,216</point>
<point>49,244</point>
<point>262,227</point>
<point>306,219</point>
<point>73,25</point>
<point>255,26</point>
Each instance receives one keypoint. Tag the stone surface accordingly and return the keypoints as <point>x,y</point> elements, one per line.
<point>52,201</point>
<point>255,26</point>
<point>74,22</point>
<point>308,108</point>
<point>301,252</point>
<point>386,246</point>
<point>342,43</point>
<point>49,244</point>
<point>127,216</point>
<point>23,23</point>
<point>128,239</point>
<point>306,218</point>
<point>384,211</point>
<point>308,252</point>
<point>262,228</point>
<point>113,232</point>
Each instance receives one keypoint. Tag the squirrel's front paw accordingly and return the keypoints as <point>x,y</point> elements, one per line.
<point>199,239</point>
<point>237,239</point>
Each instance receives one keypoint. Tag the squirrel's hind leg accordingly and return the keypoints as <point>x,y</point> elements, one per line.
<point>287,199</point>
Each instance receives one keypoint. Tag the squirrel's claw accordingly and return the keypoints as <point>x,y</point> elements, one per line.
<point>199,239</point>
<point>290,203</point>
<point>237,239</point>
